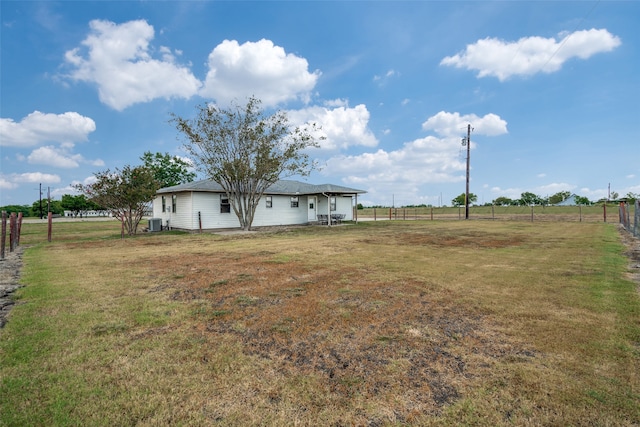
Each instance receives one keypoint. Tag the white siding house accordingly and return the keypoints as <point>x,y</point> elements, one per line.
<point>203,205</point>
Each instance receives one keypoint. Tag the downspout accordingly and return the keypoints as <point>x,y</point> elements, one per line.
<point>328,208</point>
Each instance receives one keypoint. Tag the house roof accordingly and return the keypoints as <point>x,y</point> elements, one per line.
<point>282,186</point>
<point>569,201</point>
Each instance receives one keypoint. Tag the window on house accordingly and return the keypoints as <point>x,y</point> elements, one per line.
<point>174,203</point>
<point>294,201</point>
<point>333,203</point>
<point>269,201</point>
<point>164,204</point>
<point>225,206</point>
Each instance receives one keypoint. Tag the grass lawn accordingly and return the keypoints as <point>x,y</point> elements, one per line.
<point>380,323</point>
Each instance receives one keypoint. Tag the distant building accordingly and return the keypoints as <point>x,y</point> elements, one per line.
<point>569,201</point>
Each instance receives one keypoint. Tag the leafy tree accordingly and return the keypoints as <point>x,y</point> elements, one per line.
<point>459,201</point>
<point>76,204</point>
<point>614,195</point>
<point>580,200</point>
<point>125,193</point>
<point>528,199</point>
<point>559,197</point>
<point>168,170</point>
<point>39,208</point>
<point>503,201</point>
<point>54,206</point>
<point>245,150</point>
<point>26,211</point>
<point>632,197</point>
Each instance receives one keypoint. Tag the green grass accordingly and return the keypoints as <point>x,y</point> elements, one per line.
<point>385,323</point>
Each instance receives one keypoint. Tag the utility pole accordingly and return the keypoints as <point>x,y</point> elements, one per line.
<point>467,141</point>
<point>40,200</point>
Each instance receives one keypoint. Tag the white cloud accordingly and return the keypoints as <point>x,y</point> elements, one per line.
<point>50,156</point>
<point>258,69</point>
<point>553,188</point>
<point>61,157</point>
<point>7,184</point>
<point>336,103</point>
<point>422,161</point>
<point>428,161</point>
<point>342,126</point>
<point>38,128</point>
<point>34,177</point>
<point>401,174</point>
<point>118,59</point>
<point>383,79</point>
<point>531,55</point>
<point>453,124</point>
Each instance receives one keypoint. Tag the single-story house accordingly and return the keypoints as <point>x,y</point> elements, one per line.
<point>204,205</point>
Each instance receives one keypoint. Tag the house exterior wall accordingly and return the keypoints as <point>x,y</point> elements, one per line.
<point>281,212</point>
<point>208,204</point>
<point>189,204</point>
<point>182,217</point>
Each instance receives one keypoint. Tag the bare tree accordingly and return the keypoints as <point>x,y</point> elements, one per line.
<point>245,150</point>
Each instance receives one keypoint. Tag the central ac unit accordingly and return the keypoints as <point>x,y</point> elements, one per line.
<point>155,224</point>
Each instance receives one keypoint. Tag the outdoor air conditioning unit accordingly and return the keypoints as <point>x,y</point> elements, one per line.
<point>155,224</point>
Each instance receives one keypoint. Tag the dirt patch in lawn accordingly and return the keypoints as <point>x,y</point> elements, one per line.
<point>470,239</point>
<point>402,342</point>
<point>632,252</point>
<point>10,268</point>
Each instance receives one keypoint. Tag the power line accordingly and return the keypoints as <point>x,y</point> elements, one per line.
<point>570,34</point>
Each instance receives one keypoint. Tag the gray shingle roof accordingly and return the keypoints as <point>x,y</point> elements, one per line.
<point>282,186</point>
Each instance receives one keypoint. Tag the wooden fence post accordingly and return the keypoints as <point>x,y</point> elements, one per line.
<point>4,234</point>
<point>12,232</point>
<point>19,225</point>
<point>49,226</point>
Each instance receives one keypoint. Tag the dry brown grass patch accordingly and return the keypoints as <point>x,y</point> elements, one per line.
<point>398,343</point>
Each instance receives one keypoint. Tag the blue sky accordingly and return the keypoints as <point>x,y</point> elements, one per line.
<point>550,88</point>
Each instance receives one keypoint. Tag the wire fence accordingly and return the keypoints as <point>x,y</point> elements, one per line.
<point>625,217</point>
<point>594,213</point>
